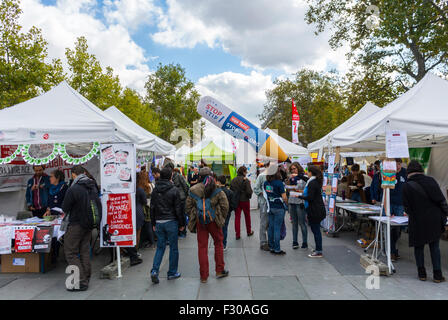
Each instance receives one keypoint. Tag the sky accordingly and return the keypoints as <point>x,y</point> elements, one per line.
<point>233,50</point>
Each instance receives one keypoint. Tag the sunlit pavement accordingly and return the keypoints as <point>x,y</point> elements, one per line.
<point>254,274</point>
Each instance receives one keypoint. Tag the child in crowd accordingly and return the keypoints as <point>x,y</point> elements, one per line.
<point>221,184</point>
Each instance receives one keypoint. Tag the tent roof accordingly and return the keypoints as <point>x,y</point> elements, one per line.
<point>365,112</point>
<point>422,112</point>
<point>59,115</point>
<point>211,153</point>
<point>129,131</point>
<point>288,147</point>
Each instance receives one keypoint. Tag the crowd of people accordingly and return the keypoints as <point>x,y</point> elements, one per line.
<point>202,202</point>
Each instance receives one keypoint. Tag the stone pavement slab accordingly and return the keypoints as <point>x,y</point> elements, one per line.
<point>231,288</point>
<point>277,288</point>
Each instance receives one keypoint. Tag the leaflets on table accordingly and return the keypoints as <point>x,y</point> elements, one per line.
<point>397,144</point>
<point>23,239</point>
<point>5,240</point>
<point>118,168</point>
<point>118,225</point>
<point>42,239</point>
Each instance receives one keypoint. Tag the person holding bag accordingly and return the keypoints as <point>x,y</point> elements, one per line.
<point>427,209</point>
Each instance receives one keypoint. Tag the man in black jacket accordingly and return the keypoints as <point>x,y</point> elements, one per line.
<point>78,234</point>
<point>167,220</point>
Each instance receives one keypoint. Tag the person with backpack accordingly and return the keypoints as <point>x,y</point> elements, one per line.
<point>275,194</point>
<point>83,207</point>
<point>243,192</point>
<point>315,207</point>
<point>207,207</point>
<point>221,184</point>
<point>262,204</point>
<point>167,220</point>
<point>427,209</point>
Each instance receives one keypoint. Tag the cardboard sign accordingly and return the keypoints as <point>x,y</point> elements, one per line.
<point>23,240</point>
<point>118,223</point>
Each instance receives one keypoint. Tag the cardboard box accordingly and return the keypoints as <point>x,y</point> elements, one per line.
<point>25,262</point>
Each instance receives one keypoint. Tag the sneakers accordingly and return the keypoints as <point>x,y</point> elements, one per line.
<point>422,274</point>
<point>225,248</point>
<point>250,234</point>
<point>136,261</point>
<point>264,247</point>
<point>295,246</point>
<point>393,257</point>
<point>279,253</point>
<point>315,255</point>
<point>174,276</point>
<point>238,238</point>
<point>222,274</point>
<point>203,280</point>
<point>304,246</point>
<point>81,288</point>
<point>154,277</point>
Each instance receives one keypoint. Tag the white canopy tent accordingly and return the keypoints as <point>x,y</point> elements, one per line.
<point>288,147</point>
<point>422,112</point>
<point>129,131</point>
<point>59,115</point>
<point>362,115</point>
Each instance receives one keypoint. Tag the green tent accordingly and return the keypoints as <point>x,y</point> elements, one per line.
<point>211,154</point>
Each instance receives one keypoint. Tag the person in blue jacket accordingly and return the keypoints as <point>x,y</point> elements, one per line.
<point>37,192</point>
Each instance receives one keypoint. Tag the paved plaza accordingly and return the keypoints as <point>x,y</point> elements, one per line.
<point>254,274</point>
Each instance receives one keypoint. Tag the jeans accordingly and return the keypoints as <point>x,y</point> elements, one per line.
<point>167,231</point>
<point>356,196</point>
<point>264,220</point>
<point>298,216</point>
<point>225,228</point>
<point>183,210</point>
<point>276,218</point>
<point>315,228</point>
<point>245,207</point>
<point>203,231</point>
<point>395,232</point>
<point>419,253</point>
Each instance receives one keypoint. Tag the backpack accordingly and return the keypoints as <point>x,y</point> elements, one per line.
<point>205,212</point>
<point>91,220</point>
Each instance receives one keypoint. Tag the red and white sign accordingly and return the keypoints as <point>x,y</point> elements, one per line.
<point>23,240</point>
<point>118,223</point>
<point>295,123</point>
<point>7,150</point>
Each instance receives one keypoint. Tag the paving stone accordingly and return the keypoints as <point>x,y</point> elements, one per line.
<point>330,288</point>
<point>277,288</point>
<point>231,288</point>
<point>179,289</point>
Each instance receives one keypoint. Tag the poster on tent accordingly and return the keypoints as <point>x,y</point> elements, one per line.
<point>118,168</point>
<point>5,239</point>
<point>118,224</point>
<point>397,144</point>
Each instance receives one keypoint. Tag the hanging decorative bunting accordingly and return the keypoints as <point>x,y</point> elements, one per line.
<point>37,161</point>
<point>81,160</point>
<point>11,158</point>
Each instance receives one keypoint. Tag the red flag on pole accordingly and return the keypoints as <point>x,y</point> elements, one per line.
<point>295,123</point>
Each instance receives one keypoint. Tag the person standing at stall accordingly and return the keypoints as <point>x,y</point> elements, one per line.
<point>427,210</point>
<point>241,186</point>
<point>81,204</point>
<point>315,207</point>
<point>37,192</point>
<point>356,185</point>
<point>263,206</point>
<point>277,201</point>
<point>298,178</point>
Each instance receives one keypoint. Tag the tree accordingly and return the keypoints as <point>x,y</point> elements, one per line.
<point>318,100</point>
<point>131,104</point>
<point>173,98</point>
<point>24,73</point>
<point>410,40</point>
<point>100,87</point>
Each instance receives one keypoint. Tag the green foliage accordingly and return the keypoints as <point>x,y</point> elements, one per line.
<point>318,100</point>
<point>411,38</point>
<point>173,98</point>
<point>24,73</point>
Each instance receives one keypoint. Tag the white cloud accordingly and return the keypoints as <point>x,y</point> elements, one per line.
<point>244,93</point>
<point>112,44</point>
<point>264,33</point>
<point>131,13</point>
